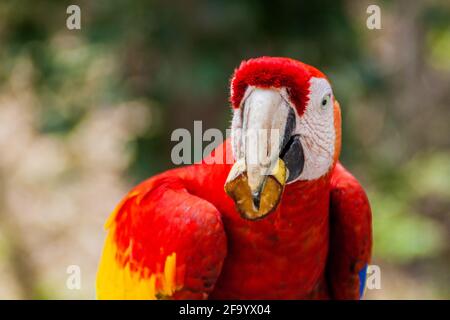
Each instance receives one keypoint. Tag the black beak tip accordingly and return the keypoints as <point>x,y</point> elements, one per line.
<point>256,197</point>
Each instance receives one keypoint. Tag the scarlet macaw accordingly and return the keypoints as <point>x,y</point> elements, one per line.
<point>295,227</point>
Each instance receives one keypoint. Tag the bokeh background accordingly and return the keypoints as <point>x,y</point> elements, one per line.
<point>85,114</point>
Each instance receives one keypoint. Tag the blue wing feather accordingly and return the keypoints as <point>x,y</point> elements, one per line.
<point>362,280</point>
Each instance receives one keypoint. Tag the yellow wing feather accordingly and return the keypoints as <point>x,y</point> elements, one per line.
<point>115,281</point>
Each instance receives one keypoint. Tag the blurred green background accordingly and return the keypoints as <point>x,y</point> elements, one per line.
<point>85,114</point>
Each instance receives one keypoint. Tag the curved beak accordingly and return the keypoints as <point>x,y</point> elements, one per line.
<point>257,179</point>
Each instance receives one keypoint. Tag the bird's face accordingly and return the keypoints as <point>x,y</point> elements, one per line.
<point>285,129</point>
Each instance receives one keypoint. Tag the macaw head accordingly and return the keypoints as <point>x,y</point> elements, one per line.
<point>285,129</point>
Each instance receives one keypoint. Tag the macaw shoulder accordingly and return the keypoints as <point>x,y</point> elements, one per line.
<point>344,184</point>
<point>348,196</point>
<point>163,242</point>
<point>350,235</point>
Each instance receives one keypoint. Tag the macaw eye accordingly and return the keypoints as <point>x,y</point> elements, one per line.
<point>326,100</point>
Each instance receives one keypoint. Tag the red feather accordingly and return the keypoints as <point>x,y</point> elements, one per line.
<point>179,235</point>
<point>273,72</point>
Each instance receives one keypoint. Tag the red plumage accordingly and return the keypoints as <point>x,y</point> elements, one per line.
<point>312,246</point>
<point>273,72</point>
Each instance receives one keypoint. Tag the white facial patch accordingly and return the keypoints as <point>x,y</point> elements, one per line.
<point>316,130</point>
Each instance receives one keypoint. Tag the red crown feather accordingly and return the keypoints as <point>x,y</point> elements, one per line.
<point>274,72</point>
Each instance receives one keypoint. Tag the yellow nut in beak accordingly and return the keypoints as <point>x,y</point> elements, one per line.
<point>238,189</point>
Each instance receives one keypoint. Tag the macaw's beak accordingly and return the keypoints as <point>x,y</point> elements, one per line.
<point>257,179</point>
<point>255,205</point>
